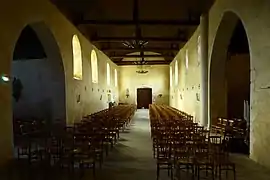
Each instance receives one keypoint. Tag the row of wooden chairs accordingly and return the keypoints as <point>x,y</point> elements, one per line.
<point>234,127</point>
<point>179,143</point>
<point>82,144</point>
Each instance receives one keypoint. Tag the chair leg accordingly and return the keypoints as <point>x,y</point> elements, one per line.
<point>18,154</point>
<point>81,166</point>
<point>187,166</point>
<point>157,171</point>
<point>179,171</point>
<point>213,172</point>
<point>94,170</point>
<point>198,171</point>
<point>100,160</point>
<point>219,169</point>
<point>234,173</point>
<point>216,171</point>
<point>107,149</point>
<point>193,172</point>
<point>171,172</point>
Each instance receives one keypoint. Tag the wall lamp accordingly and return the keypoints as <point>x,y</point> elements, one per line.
<point>127,93</point>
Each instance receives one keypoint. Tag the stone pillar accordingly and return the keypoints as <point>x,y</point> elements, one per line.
<point>203,43</point>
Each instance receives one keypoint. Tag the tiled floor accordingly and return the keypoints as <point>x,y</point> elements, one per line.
<point>132,159</point>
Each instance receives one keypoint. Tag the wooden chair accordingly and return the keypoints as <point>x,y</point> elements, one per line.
<point>164,158</point>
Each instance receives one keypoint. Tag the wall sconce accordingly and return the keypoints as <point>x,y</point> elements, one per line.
<point>5,78</point>
<point>198,96</point>
<point>127,93</point>
<point>78,98</point>
<point>160,95</point>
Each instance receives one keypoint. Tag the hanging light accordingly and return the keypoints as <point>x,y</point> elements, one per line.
<point>127,44</point>
<point>141,67</point>
<point>141,71</point>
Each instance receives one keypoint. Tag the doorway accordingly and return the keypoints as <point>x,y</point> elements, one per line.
<point>144,97</point>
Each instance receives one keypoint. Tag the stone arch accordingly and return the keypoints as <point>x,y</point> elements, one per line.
<point>218,56</point>
<point>57,72</point>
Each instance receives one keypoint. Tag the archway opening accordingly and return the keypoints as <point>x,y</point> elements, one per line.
<point>230,83</point>
<point>38,83</point>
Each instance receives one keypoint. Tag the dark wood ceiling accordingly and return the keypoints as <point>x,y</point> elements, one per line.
<point>136,31</point>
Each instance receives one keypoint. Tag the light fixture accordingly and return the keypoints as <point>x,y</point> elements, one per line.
<point>142,71</point>
<point>5,78</point>
<point>141,64</point>
<point>127,44</point>
<point>127,92</point>
<point>132,44</point>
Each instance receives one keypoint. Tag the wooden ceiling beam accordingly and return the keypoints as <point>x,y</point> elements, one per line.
<point>149,39</point>
<point>141,56</point>
<point>188,22</point>
<point>130,50</point>
<point>123,63</point>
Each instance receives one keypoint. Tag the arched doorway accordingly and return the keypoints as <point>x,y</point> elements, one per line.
<point>230,81</point>
<point>38,81</point>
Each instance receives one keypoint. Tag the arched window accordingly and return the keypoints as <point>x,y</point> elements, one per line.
<point>199,50</point>
<point>115,78</point>
<point>108,74</point>
<point>77,58</point>
<point>176,73</point>
<point>171,76</point>
<point>94,66</point>
<point>187,59</point>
